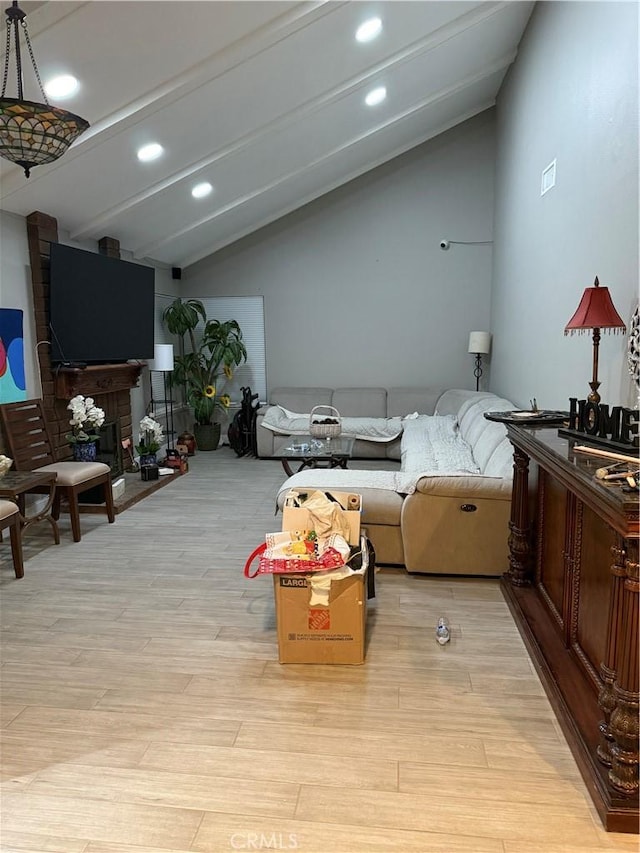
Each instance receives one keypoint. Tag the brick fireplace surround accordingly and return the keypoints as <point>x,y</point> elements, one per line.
<point>110,385</point>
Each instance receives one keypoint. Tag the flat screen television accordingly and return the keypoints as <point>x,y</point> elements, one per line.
<point>101,309</point>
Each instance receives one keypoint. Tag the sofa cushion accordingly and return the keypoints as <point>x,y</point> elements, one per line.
<point>500,463</point>
<point>393,450</point>
<point>404,401</point>
<point>365,449</point>
<point>381,504</point>
<point>451,401</point>
<point>488,441</point>
<point>472,421</point>
<point>465,487</point>
<point>300,399</point>
<point>360,402</point>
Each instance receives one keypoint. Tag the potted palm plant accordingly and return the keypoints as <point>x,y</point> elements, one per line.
<point>204,364</point>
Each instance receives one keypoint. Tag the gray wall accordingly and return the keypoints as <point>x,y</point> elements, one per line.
<point>572,95</point>
<point>356,288</point>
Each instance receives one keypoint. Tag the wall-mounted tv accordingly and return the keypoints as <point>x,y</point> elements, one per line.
<point>101,309</point>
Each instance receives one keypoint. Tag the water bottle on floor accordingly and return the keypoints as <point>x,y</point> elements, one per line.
<point>443,634</point>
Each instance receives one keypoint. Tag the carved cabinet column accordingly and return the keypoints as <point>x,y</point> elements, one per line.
<point>623,727</point>
<point>606,698</point>
<point>519,523</point>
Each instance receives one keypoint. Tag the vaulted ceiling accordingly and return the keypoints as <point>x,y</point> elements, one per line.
<point>263,100</point>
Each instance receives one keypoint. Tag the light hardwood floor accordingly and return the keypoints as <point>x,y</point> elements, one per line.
<point>144,709</point>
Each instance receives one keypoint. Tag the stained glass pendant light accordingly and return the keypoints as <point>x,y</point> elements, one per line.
<point>31,133</point>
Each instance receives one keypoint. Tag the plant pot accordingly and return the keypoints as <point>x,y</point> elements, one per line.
<point>84,451</point>
<point>207,436</point>
<point>148,459</point>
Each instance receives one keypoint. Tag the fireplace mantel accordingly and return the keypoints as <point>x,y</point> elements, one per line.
<point>95,379</point>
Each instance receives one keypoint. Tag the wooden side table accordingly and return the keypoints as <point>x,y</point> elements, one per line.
<point>16,484</point>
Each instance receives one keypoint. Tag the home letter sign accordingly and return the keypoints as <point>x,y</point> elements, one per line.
<point>620,426</point>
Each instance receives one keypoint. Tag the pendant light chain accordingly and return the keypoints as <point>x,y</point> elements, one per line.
<point>5,76</point>
<point>23,24</point>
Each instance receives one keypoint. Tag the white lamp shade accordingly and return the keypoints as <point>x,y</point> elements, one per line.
<point>480,342</point>
<point>162,358</point>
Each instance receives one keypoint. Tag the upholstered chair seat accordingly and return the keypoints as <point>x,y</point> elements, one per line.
<point>75,473</point>
<point>10,517</point>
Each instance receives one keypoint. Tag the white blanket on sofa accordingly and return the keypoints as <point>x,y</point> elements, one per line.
<point>433,443</point>
<point>281,420</point>
<point>431,447</point>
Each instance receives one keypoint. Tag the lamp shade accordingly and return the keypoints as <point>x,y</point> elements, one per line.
<point>480,342</point>
<point>595,311</point>
<point>163,358</point>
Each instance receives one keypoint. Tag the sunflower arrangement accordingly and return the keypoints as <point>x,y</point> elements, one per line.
<point>205,370</point>
<point>206,402</point>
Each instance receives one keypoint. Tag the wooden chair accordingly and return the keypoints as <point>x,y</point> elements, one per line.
<point>10,517</point>
<point>31,448</point>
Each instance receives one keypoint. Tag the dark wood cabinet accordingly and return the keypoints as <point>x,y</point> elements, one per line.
<point>573,587</point>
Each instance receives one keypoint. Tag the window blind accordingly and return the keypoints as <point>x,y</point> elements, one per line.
<point>249,312</point>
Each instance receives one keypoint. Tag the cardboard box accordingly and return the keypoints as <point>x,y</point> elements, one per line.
<point>311,634</point>
<point>297,518</point>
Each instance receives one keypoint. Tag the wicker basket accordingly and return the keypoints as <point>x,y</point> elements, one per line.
<point>320,430</point>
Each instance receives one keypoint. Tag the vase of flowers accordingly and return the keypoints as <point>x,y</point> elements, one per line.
<point>86,419</point>
<point>86,451</point>
<point>205,369</point>
<point>149,441</point>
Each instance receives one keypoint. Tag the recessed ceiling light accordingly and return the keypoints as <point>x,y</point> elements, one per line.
<point>376,96</point>
<point>369,30</point>
<point>150,152</point>
<point>62,86</point>
<point>201,190</point>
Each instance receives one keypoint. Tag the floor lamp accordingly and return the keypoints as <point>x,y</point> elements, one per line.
<point>163,363</point>
<point>479,344</point>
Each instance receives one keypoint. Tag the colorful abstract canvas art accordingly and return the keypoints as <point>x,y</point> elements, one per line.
<point>12,381</point>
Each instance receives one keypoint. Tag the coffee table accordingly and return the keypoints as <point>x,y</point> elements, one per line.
<point>312,452</point>
<point>14,485</point>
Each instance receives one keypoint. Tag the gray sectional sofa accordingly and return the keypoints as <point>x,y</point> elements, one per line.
<point>381,403</point>
<point>445,509</point>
